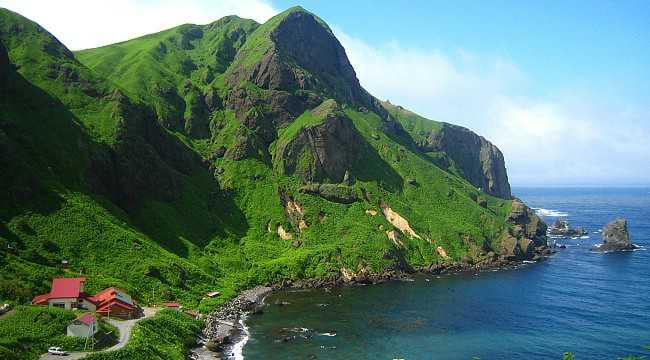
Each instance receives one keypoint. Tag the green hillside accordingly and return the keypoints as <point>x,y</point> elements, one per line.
<point>217,157</point>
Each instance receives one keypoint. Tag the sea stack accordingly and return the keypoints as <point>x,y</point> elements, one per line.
<point>616,237</point>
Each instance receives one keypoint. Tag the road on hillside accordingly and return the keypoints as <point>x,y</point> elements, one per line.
<point>124,327</point>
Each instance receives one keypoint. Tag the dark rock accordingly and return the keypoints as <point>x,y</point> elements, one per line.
<point>479,161</point>
<point>616,237</point>
<point>482,202</point>
<point>562,228</point>
<point>527,236</point>
<point>304,55</point>
<point>337,193</point>
<point>212,100</point>
<point>324,151</point>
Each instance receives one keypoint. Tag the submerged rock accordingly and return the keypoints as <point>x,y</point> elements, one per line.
<point>616,237</point>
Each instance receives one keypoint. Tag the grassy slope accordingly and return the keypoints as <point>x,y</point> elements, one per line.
<point>49,214</point>
<point>29,331</point>
<point>199,242</point>
<point>168,335</point>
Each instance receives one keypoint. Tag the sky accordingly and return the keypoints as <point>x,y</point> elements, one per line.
<point>561,87</point>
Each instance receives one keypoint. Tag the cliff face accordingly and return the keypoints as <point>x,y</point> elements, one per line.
<point>324,150</point>
<point>479,161</point>
<point>299,53</point>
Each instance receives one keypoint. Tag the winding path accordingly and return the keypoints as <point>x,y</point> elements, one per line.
<point>124,326</point>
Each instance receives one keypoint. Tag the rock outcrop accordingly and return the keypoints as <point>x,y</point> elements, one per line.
<point>616,237</point>
<point>479,161</point>
<point>562,228</point>
<point>324,151</point>
<point>303,54</point>
<point>527,236</point>
<point>337,193</point>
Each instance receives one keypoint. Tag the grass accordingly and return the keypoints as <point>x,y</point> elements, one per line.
<point>165,226</point>
<point>30,330</point>
<point>167,335</point>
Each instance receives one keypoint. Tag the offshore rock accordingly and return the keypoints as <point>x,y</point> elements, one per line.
<point>616,237</point>
<point>562,228</point>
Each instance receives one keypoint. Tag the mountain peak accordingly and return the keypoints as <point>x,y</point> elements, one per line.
<point>296,50</point>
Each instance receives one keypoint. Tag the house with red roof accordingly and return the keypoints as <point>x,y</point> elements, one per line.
<point>116,302</point>
<point>84,326</point>
<point>68,293</point>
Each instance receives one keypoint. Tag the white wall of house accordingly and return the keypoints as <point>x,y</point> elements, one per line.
<point>67,303</point>
<point>72,303</point>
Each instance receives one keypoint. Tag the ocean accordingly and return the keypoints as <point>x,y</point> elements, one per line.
<point>594,305</point>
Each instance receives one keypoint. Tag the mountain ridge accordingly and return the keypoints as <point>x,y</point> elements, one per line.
<point>187,171</point>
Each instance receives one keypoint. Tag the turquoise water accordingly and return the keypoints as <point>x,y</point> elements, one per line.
<point>594,305</point>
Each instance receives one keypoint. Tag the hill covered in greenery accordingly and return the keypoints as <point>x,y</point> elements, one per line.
<point>220,156</point>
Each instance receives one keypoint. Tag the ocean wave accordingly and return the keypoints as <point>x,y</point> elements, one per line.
<point>331,334</point>
<point>585,237</point>
<point>238,348</point>
<point>550,212</point>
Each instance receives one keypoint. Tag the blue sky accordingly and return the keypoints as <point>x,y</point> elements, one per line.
<point>566,44</point>
<point>562,87</point>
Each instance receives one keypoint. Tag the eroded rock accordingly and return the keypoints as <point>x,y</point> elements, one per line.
<point>616,237</point>
<point>398,221</point>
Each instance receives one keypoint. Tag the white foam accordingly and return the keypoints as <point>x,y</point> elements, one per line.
<point>550,212</point>
<point>327,334</point>
<point>238,348</point>
<point>585,237</point>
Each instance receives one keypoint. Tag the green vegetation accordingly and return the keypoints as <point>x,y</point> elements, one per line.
<point>28,331</point>
<point>167,335</point>
<point>121,164</point>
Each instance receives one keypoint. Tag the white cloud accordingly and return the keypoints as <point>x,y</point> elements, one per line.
<point>81,24</point>
<point>570,139</point>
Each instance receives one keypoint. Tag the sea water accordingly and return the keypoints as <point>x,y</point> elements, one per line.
<point>592,304</point>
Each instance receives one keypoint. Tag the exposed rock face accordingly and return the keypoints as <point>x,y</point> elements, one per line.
<point>337,193</point>
<point>616,237</point>
<point>305,55</point>
<point>528,234</point>
<point>323,151</point>
<point>562,228</point>
<point>480,162</point>
<point>398,221</point>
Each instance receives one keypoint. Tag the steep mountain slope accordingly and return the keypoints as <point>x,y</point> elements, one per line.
<point>83,170</point>
<point>230,154</point>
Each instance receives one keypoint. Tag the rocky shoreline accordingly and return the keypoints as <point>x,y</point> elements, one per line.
<point>223,328</point>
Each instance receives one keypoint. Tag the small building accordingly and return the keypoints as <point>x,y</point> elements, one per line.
<point>84,326</point>
<point>116,302</point>
<point>173,306</point>
<point>67,293</point>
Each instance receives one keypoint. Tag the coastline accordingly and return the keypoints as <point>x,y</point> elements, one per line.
<point>225,328</point>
